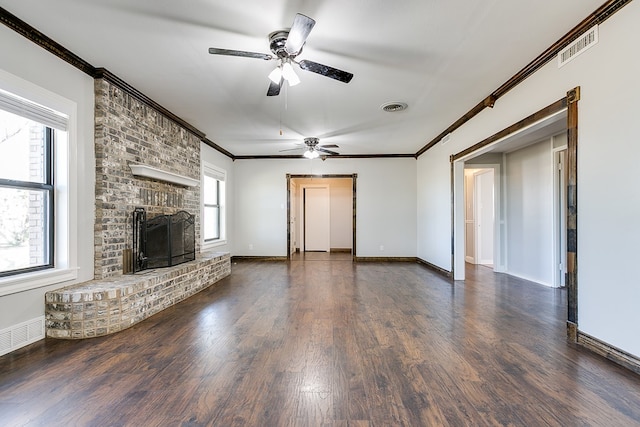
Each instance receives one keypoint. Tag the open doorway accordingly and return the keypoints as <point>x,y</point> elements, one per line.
<point>321,212</point>
<point>564,114</point>
<point>525,240</point>
<point>479,215</point>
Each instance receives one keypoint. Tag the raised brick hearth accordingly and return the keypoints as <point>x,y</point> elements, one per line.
<point>102,307</point>
<point>129,131</point>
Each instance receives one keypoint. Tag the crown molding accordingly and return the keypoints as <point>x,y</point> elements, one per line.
<point>600,15</point>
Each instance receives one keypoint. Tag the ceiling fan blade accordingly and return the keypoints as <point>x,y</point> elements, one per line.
<point>322,150</point>
<point>328,146</point>
<point>302,26</point>
<point>293,149</point>
<point>229,52</point>
<point>274,88</point>
<point>325,70</point>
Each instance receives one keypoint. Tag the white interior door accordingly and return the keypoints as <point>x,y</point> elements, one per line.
<point>469,217</point>
<point>484,207</point>
<point>293,224</point>
<point>317,229</point>
<point>560,186</point>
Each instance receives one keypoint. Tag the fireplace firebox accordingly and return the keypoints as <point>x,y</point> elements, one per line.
<point>162,241</point>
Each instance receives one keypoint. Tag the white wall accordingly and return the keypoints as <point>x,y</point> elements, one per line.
<point>386,205</point>
<point>608,198</point>
<point>529,199</point>
<point>29,62</point>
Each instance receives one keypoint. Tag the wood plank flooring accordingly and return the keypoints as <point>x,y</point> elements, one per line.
<point>321,341</point>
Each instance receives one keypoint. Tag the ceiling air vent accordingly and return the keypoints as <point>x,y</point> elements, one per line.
<point>394,107</point>
<point>578,46</point>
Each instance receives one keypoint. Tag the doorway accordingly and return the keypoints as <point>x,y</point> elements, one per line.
<point>479,215</point>
<point>500,152</point>
<point>293,219</point>
<point>309,198</point>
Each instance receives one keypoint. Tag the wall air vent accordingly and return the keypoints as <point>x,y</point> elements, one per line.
<point>581,44</point>
<point>21,335</point>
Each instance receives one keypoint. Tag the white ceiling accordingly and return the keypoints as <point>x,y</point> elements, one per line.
<point>440,57</point>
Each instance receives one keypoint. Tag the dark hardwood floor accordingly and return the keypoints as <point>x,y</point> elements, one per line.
<point>320,341</point>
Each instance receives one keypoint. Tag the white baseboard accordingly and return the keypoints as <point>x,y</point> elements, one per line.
<point>530,279</point>
<point>21,335</point>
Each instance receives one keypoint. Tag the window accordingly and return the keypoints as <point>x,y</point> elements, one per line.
<point>213,205</point>
<point>26,187</point>
<point>38,186</point>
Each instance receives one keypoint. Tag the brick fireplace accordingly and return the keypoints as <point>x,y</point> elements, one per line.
<point>128,132</point>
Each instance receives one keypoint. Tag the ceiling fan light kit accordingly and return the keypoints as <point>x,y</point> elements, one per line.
<point>285,46</point>
<point>313,150</point>
<point>289,75</point>
<point>276,75</point>
<point>311,154</point>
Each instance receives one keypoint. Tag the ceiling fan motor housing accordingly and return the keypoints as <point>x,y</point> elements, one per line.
<point>277,40</point>
<point>311,142</point>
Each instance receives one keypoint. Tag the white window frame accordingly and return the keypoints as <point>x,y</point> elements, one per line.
<point>65,192</point>
<point>220,174</point>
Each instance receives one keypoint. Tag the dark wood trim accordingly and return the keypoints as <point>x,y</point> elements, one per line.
<point>572,332</point>
<point>385,259</point>
<point>309,176</point>
<point>353,219</point>
<point>572,205</point>
<point>102,73</point>
<point>570,103</point>
<point>340,250</point>
<point>487,102</point>
<point>48,44</point>
<point>441,271</point>
<point>289,217</point>
<point>372,156</point>
<point>218,148</point>
<point>66,55</point>
<point>353,177</point>
<point>598,17</point>
<point>610,352</point>
<point>341,156</point>
<point>557,106</point>
<point>452,213</point>
<point>258,258</point>
<point>30,33</point>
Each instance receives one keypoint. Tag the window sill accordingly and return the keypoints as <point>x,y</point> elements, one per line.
<point>213,244</point>
<point>28,281</point>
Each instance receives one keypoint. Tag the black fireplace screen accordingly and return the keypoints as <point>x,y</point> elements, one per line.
<point>162,241</point>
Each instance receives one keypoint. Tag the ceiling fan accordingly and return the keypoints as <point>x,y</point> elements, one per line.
<point>313,150</point>
<point>286,45</point>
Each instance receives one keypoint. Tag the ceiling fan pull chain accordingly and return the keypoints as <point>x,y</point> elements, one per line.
<point>280,119</point>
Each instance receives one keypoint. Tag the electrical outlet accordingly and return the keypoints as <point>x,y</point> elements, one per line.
<point>250,246</point>
<point>382,247</point>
